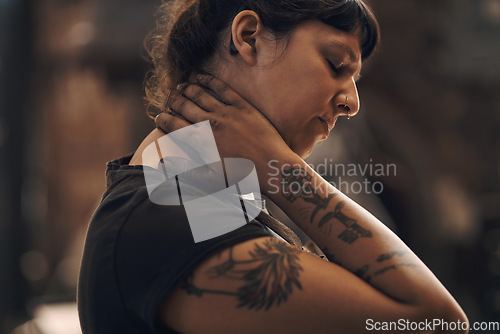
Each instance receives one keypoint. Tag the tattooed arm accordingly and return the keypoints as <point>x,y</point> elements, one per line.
<point>267,286</point>
<point>353,238</point>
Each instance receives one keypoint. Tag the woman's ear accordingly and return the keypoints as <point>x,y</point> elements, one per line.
<point>247,36</point>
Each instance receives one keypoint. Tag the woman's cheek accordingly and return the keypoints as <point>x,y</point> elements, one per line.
<point>321,83</point>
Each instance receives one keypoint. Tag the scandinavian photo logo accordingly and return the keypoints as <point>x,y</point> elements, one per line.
<point>348,178</point>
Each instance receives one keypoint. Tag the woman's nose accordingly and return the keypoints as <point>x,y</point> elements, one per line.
<point>349,107</point>
<point>348,102</point>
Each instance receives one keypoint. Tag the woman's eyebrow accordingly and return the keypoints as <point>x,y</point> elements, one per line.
<point>339,45</point>
<point>355,59</point>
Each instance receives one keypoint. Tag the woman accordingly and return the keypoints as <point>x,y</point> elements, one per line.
<point>272,77</point>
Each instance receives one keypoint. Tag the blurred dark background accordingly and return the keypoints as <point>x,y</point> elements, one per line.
<point>71,78</point>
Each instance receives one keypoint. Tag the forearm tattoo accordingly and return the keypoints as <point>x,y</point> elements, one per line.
<point>394,267</point>
<point>363,271</point>
<point>330,256</point>
<point>353,230</point>
<point>269,277</point>
<point>390,255</point>
<point>297,183</point>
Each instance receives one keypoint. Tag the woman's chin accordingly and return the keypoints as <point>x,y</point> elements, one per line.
<point>304,152</point>
<point>305,147</point>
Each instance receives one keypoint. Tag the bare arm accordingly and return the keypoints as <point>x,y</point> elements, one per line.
<point>267,286</point>
<point>353,238</point>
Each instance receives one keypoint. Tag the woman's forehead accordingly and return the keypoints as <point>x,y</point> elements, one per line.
<point>330,36</point>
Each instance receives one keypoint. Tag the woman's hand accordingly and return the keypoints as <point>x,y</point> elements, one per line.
<point>240,130</point>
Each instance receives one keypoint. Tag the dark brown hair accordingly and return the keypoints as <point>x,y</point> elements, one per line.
<point>188,33</point>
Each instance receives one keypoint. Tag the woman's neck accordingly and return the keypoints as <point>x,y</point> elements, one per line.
<point>137,157</point>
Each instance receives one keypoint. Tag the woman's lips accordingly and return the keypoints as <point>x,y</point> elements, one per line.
<point>326,126</point>
<point>330,123</point>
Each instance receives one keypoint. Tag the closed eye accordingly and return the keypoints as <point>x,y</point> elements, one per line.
<point>334,68</point>
<point>337,70</point>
